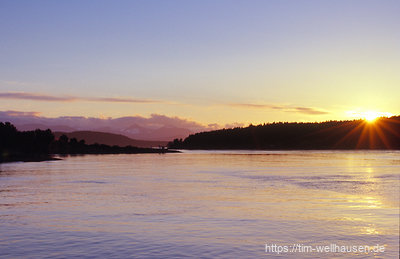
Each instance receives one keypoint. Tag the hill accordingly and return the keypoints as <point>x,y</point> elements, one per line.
<point>92,137</point>
<point>41,145</point>
<point>384,133</point>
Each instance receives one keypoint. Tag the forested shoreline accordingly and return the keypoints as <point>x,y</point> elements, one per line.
<point>41,145</point>
<point>383,133</point>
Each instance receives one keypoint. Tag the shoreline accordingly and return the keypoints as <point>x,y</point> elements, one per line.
<point>57,157</point>
<point>10,158</point>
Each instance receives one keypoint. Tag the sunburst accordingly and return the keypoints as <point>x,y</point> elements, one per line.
<point>371,116</point>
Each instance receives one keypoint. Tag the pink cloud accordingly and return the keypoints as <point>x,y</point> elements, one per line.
<point>284,108</point>
<point>19,114</point>
<point>155,127</point>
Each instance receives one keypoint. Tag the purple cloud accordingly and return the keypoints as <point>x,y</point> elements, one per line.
<point>54,98</point>
<point>35,97</point>
<point>155,127</point>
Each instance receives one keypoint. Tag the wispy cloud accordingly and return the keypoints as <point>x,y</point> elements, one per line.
<point>284,108</point>
<point>35,97</point>
<point>308,110</point>
<point>19,114</point>
<point>122,100</point>
<point>55,98</point>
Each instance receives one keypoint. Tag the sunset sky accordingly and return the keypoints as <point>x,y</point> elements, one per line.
<point>206,61</point>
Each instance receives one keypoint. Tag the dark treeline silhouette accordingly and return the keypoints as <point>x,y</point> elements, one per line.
<point>24,146</point>
<point>383,133</point>
<point>39,145</point>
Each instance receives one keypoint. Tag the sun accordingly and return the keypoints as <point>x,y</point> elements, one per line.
<point>371,116</point>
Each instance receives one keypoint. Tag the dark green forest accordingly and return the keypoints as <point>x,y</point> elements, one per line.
<point>383,133</point>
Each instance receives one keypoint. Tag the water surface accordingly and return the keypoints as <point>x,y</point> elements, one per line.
<point>221,204</point>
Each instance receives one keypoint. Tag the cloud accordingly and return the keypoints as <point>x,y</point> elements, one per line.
<point>122,100</point>
<point>173,121</point>
<point>308,110</point>
<point>18,114</point>
<point>54,98</point>
<point>252,105</point>
<point>284,108</point>
<point>154,127</point>
<point>35,97</point>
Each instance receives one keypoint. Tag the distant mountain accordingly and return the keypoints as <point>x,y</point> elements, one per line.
<point>33,126</point>
<point>92,137</point>
<point>134,129</point>
<point>155,128</point>
<point>162,134</point>
<point>166,133</point>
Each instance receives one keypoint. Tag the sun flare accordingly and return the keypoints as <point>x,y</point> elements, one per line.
<point>371,116</point>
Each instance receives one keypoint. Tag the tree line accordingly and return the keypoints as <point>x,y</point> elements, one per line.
<point>39,145</point>
<point>383,133</point>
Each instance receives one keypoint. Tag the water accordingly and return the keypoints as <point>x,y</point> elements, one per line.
<point>200,204</point>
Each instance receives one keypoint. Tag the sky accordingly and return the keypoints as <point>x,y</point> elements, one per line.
<point>210,62</point>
